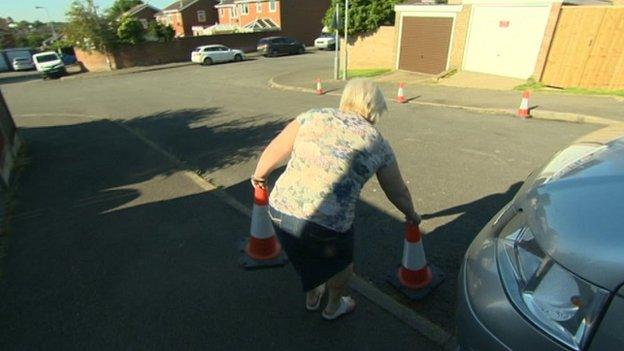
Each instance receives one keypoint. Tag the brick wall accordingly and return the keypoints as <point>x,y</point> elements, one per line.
<point>548,37</point>
<point>94,60</point>
<point>373,50</point>
<point>460,33</point>
<point>179,50</point>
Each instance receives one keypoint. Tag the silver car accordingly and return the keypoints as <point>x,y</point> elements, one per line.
<point>209,54</point>
<point>22,64</point>
<point>547,272</point>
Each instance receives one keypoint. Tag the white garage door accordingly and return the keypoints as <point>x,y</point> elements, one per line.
<point>505,40</point>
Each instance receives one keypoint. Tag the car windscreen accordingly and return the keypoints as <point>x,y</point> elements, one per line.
<point>46,58</point>
<point>197,49</point>
<point>263,41</point>
<point>21,59</point>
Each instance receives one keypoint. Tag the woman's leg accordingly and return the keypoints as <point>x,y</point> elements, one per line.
<point>337,285</point>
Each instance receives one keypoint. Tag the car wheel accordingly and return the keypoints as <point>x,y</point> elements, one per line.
<point>301,50</point>
<point>238,58</point>
<point>207,61</point>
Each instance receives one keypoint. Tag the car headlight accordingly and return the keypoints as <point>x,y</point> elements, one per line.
<point>548,295</point>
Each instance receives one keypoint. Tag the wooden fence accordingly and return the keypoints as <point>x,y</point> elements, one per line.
<point>587,49</point>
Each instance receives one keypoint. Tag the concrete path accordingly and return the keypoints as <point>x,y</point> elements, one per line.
<point>114,247</point>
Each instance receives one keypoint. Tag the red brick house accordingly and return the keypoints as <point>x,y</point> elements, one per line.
<point>144,13</point>
<point>183,15</point>
<point>250,14</point>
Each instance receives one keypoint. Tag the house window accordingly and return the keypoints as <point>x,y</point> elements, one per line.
<point>221,12</point>
<point>245,9</point>
<point>272,6</point>
<point>201,16</point>
<point>259,7</point>
<point>233,13</point>
<point>144,23</point>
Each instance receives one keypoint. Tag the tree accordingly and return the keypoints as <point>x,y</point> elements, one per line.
<point>130,30</point>
<point>34,40</point>
<point>120,7</point>
<point>7,40</point>
<point>87,30</point>
<point>160,31</point>
<point>364,15</point>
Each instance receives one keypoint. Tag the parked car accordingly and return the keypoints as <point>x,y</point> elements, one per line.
<point>325,41</point>
<point>273,46</point>
<point>547,272</point>
<point>50,65</point>
<point>209,54</point>
<point>22,64</point>
<point>68,59</point>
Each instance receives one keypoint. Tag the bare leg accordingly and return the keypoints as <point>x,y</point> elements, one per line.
<point>337,285</point>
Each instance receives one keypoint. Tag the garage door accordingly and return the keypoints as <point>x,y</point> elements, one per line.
<point>505,40</point>
<point>425,44</point>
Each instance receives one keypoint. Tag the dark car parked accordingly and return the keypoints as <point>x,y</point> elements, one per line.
<point>273,46</point>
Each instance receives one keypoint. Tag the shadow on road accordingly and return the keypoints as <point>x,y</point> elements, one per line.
<point>113,248</point>
<point>18,77</point>
<point>212,142</point>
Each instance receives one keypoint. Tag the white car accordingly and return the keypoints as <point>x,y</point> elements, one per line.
<point>22,64</point>
<point>49,63</point>
<point>325,41</point>
<point>209,54</point>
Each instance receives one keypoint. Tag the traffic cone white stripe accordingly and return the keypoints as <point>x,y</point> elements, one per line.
<point>414,256</point>
<point>319,87</point>
<point>523,110</point>
<point>261,226</point>
<point>401,93</point>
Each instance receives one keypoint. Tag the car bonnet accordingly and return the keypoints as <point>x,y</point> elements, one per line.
<point>575,208</point>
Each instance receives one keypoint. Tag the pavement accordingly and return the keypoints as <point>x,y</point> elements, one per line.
<point>114,246</point>
<point>461,165</point>
<point>421,89</point>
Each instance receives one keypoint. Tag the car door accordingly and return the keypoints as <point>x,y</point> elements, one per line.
<point>210,53</point>
<point>291,45</point>
<point>280,45</point>
<point>226,54</point>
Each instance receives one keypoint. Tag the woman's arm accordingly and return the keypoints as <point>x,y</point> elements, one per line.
<point>275,153</point>
<point>397,192</point>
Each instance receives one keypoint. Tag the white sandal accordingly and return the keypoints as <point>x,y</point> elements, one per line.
<point>347,305</point>
<point>316,306</point>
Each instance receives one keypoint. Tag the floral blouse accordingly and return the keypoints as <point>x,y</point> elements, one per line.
<point>334,154</point>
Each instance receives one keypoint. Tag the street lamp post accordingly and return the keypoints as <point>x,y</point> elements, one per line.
<point>346,36</point>
<point>54,36</point>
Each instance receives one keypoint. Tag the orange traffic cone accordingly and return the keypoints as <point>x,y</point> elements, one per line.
<point>523,111</point>
<point>262,249</point>
<point>319,87</point>
<point>401,94</point>
<point>414,277</point>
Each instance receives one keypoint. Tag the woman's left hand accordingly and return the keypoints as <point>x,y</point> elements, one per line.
<point>257,182</point>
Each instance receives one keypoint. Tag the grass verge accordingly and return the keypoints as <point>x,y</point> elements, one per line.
<point>531,84</point>
<point>366,73</point>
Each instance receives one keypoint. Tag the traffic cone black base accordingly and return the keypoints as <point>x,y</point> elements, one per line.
<point>249,263</point>
<point>437,277</point>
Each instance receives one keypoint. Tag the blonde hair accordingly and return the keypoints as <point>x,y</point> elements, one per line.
<point>363,97</point>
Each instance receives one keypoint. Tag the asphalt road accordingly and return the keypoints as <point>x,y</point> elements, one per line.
<point>461,166</point>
